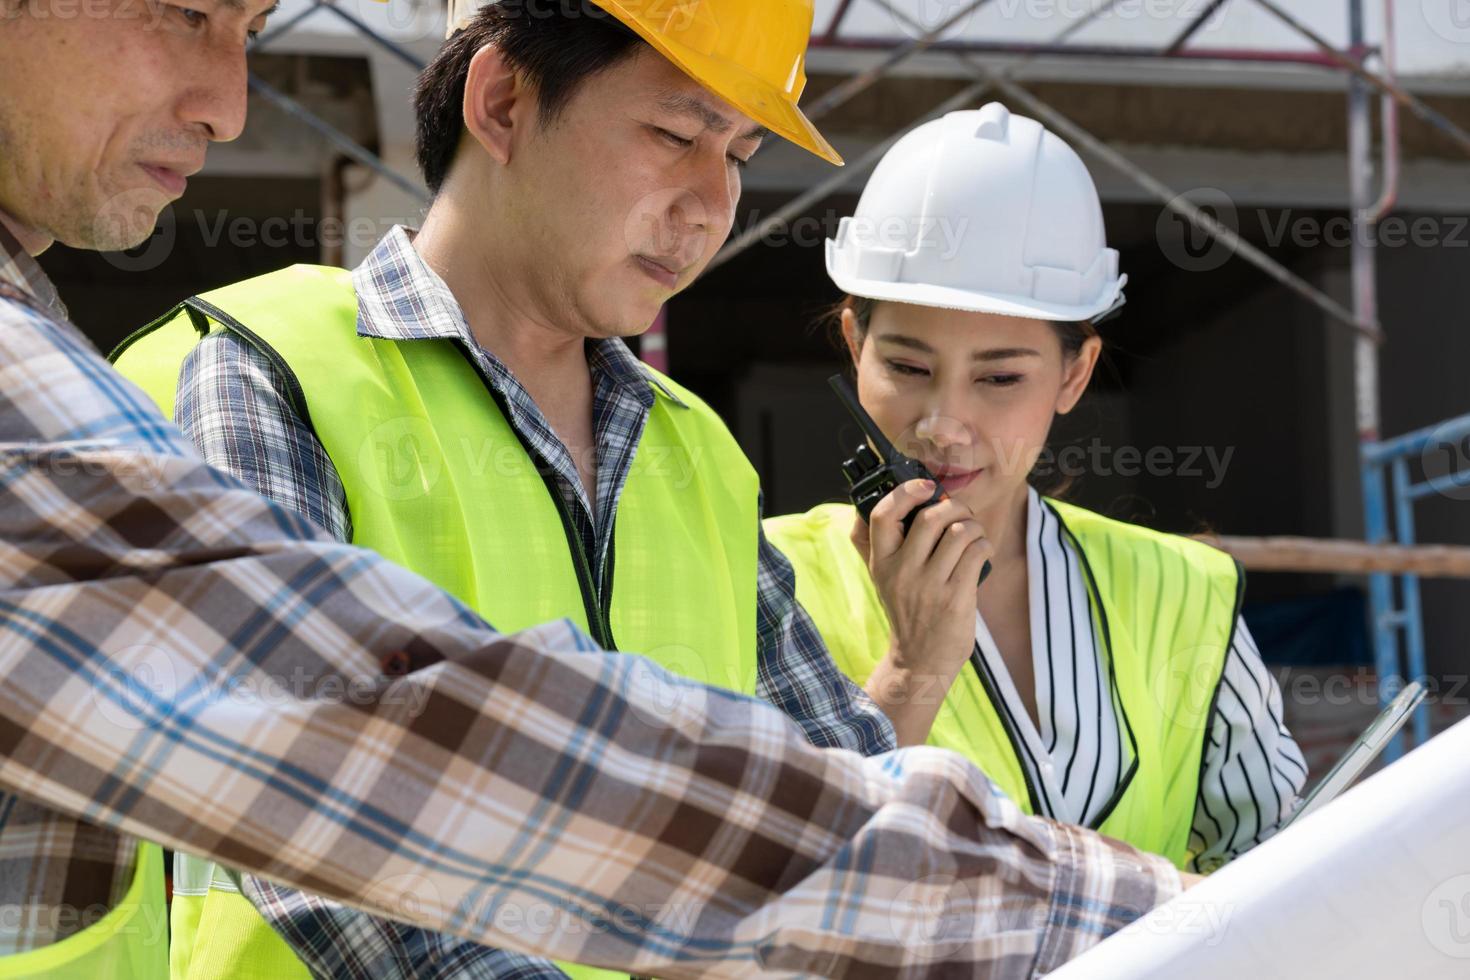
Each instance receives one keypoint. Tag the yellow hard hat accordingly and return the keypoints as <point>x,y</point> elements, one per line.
<point>751,53</point>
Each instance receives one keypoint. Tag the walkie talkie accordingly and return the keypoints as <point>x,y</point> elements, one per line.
<point>871,476</point>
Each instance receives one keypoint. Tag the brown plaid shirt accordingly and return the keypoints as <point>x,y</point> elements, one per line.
<point>182,660</point>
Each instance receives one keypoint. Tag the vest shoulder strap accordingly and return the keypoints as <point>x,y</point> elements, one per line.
<point>1094,531</point>
<point>267,312</point>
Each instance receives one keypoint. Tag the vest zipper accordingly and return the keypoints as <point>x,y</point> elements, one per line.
<point>607,573</point>
<point>594,606</point>
<point>992,691</point>
<point>592,602</point>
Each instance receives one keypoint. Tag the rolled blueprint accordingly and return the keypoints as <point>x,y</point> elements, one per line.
<point>1375,884</point>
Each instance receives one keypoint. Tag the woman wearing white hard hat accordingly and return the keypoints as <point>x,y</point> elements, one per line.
<point>1102,674</point>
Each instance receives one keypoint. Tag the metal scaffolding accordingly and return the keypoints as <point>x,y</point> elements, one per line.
<point>1396,613</point>
<point>344,143</point>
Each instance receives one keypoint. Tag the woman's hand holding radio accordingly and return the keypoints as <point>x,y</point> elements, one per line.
<point>926,580</point>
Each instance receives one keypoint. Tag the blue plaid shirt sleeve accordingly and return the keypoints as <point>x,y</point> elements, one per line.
<point>798,675</point>
<point>232,404</point>
<point>336,941</point>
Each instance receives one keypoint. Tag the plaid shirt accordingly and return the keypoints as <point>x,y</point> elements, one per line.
<point>184,660</point>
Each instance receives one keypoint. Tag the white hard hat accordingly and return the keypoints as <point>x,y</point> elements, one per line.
<point>981,210</point>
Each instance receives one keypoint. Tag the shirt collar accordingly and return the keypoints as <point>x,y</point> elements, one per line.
<point>401,298</point>
<point>1033,518</point>
<point>19,271</point>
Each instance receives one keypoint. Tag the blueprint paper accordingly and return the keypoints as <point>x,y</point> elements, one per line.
<point>1375,884</point>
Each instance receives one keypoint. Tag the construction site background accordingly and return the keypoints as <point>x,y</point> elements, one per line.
<point>1229,402</point>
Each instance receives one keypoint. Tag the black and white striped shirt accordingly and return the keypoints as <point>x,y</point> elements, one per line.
<point>1253,769</point>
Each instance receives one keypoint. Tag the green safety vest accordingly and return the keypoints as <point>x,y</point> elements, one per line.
<point>437,480</point>
<point>130,942</point>
<point>1164,606</point>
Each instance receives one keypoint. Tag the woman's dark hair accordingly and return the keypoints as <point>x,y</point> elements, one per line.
<point>557,46</point>
<point>1071,333</point>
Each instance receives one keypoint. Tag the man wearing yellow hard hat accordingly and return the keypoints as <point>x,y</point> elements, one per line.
<point>464,402</point>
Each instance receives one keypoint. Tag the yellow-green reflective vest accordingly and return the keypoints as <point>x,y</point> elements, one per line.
<point>1164,608</point>
<point>438,481</point>
<point>130,942</point>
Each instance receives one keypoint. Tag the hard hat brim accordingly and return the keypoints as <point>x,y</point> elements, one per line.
<point>949,298</point>
<point>758,99</point>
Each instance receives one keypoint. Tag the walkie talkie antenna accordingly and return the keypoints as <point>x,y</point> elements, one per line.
<point>849,399</point>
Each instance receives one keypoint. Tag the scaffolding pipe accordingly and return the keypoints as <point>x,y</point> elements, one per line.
<point>1309,59</point>
<point>1367,330</point>
<point>864,79</point>
<point>1364,269</point>
<point>1355,66</point>
<point>819,193</point>
<point>856,84</point>
<point>1189,31</point>
<point>279,29</point>
<point>837,17</point>
<point>1387,623</point>
<point>392,47</point>
<point>336,137</point>
<point>1389,110</point>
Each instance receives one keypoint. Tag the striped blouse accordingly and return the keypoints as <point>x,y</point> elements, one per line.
<point>1076,758</point>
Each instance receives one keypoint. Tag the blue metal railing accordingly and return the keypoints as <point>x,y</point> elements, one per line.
<point>1388,486</point>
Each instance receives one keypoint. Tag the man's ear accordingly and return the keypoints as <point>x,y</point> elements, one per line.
<point>493,91</point>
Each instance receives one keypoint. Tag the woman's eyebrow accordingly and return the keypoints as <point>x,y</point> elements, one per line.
<point>1003,353</point>
<point>993,354</point>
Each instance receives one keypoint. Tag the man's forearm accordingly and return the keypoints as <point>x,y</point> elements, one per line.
<point>174,664</point>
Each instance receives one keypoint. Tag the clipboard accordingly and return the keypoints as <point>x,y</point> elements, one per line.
<point>1362,752</point>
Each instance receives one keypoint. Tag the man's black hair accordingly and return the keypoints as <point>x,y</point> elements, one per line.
<point>557,45</point>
